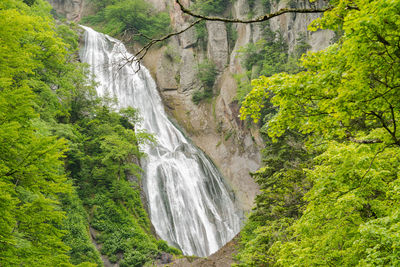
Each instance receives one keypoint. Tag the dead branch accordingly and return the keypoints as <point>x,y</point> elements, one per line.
<point>138,56</point>
<point>261,18</point>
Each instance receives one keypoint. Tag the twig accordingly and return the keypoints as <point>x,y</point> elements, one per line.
<point>138,56</point>
<point>372,161</point>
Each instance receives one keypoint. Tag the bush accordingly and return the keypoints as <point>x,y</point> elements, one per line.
<point>206,73</point>
<point>243,86</point>
<point>200,95</point>
<point>201,34</point>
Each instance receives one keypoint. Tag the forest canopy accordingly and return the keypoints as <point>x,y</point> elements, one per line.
<point>67,159</point>
<point>330,184</point>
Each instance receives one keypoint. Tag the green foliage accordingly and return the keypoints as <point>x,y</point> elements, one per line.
<point>52,125</point>
<point>120,232</point>
<point>232,35</point>
<point>267,57</point>
<point>283,183</point>
<point>345,103</point>
<point>357,198</point>
<point>243,86</point>
<point>31,161</point>
<point>206,73</point>
<point>102,165</point>
<point>292,65</point>
<point>267,5</point>
<point>201,34</point>
<point>201,95</point>
<point>76,224</point>
<point>135,17</point>
<point>210,7</point>
<point>270,55</point>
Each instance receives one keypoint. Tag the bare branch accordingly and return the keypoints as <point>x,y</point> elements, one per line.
<point>384,124</point>
<point>261,18</point>
<point>138,56</point>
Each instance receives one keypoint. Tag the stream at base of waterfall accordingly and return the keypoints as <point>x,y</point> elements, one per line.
<point>190,206</point>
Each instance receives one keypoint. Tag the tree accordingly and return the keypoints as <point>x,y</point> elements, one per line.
<point>60,145</point>
<point>346,102</point>
<point>31,172</point>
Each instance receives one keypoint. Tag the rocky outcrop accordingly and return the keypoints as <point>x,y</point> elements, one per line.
<point>222,258</point>
<point>71,9</point>
<point>217,46</point>
<point>294,26</point>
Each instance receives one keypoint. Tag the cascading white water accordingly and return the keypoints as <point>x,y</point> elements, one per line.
<point>189,204</point>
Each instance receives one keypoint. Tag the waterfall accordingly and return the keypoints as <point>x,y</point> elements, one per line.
<point>189,204</point>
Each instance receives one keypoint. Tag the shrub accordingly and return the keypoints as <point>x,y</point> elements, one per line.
<point>201,34</point>
<point>200,95</point>
<point>206,73</point>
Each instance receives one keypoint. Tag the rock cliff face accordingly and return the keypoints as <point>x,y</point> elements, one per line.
<point>71,9</point>
<point>293,26</point>
<point>214,125</point>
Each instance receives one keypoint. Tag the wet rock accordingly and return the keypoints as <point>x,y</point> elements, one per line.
<point>165,258</point>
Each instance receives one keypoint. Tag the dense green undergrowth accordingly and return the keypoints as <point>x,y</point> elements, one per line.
<point>67,159</point>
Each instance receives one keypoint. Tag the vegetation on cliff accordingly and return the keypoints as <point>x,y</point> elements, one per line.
<point>206,74</point>
<point>135,20</point>
<point>330,185</point>
<point>66,157</point>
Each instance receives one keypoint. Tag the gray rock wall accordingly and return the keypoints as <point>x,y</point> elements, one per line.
<point>214,126</point>
<point>71,9</point>
<point>293,25</point>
